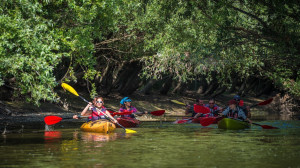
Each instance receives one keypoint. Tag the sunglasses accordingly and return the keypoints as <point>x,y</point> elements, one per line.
<point>211,103</point>
<point>99,101</point>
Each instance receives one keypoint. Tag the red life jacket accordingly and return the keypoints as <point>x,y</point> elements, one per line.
<point>130,110</point>
<point>95,115</point>
<point>241,103</point>
<point>125,110</point>
<point>215,108</point>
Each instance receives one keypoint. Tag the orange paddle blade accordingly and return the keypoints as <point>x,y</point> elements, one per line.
<point>50,120</point>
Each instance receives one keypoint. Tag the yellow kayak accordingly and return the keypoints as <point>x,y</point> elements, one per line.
<point>101,126</point>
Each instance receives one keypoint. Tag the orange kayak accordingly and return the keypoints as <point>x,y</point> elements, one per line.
<point>100,126</point>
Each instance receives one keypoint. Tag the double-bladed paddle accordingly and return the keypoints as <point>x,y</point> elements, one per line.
<point>73,91</point>
<point>51,120</point>
<point>155,113</point>
<point>262,103</point>
<point>263,126</point>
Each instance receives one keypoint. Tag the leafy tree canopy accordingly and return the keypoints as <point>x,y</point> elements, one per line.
<point>42,39</point>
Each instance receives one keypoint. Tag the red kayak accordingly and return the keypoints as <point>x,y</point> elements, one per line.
<point>201,119</point>
<point>128,122</point>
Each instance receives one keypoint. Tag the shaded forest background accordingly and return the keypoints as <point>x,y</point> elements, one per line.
<point>195,48</point>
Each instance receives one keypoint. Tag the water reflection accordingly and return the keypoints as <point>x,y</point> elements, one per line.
<point>52,136</point>
<point>97,137</point>
<point>167,146</point>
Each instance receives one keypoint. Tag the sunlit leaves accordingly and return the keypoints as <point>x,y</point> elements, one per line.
<point>245,38</point>
<point>183,39</point>
<point>29,51</point>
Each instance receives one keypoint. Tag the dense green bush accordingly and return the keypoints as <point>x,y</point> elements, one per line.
<point>184,38</point>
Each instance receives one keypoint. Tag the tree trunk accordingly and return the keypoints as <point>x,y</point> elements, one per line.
<point>213,85</point>
<point>104,82</point>
<point>234,83</point>
<point>242,88</point>
<point>264,87</point>
<point>147,88</point>
<point>203,85</point>
<point>129,78</point>
<point>179,89</point>
<point>219,91</point>
<point>250,85</point>
<point>166,86</point>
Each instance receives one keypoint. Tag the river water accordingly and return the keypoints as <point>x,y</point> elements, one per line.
<point>155,145</point>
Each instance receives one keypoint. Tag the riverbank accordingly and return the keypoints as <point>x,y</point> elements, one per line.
<point>18,115</point>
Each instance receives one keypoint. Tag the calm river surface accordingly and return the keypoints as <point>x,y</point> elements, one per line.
<point>155,145</point>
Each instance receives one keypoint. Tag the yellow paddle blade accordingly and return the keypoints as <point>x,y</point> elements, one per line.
<point>69,88</point>
<point>130,131</point>
<point>178,102</point>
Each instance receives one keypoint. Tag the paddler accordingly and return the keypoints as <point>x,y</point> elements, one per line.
<point>96,111</point>
<point>197,109</point>
<point>125,106</point>
<point>234,111</point>
<point>240,103</point>
<point>213,108</point>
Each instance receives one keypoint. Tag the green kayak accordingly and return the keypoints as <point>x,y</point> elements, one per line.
<point>232,124</point>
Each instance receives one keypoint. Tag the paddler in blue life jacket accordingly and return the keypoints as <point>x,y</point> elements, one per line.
<point>234,111</point>
<point>240,103</point>
<point>96,111</point>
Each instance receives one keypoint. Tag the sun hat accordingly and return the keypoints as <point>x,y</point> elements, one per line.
<point>125,99</point>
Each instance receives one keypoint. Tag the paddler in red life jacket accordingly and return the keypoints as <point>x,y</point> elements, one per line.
<point>241,104</point>
<point>125,105</point>
<point>96,111</point>
<point>234,111</point>
<point>213,108</point>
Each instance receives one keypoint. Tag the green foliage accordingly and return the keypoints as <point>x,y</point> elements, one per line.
<point>35,36</point>
<point>29,50</point>
<point>244,38</point>
<point>218,39</point>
